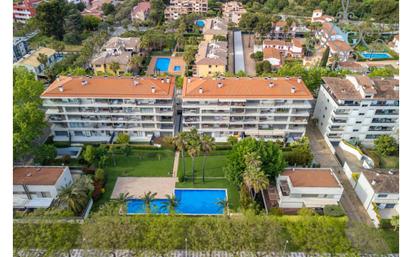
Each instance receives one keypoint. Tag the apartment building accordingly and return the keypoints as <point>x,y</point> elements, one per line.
<point>117,50</point>
<point>182,7</point>
<point>378,191</point>
<point>24,10</point>
<point>214,27</point>
<point>311,188</point>
<point>37,186</point>
<point>357,108</point>
<point>96,109</point>
<point>233,11</point>
<point>267,108</point>
<point>211,58</point>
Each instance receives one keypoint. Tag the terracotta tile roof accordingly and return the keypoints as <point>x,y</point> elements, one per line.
<point>328,28</point>
<point>276,42</point>
<point>339,45</point>
<point>386,88</point>
<point>212,53</point>
<point>122,43</point>
<point>350,65</point>
<point>341,88</point>
<point>366,83</point>
<point>315,177</point>
<point>110,87</point>
<point>40,175</point>
<point>122,57</point>
<point>382,181</point>
<point>298,42</point>
<point>280,24</point>
<point>271,52</point>
<point>249,88</point>
<point>141,7</point>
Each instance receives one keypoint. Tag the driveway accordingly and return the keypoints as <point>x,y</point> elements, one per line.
<point>324,156</point>
<point>231,54</point>
<point>248,44</point>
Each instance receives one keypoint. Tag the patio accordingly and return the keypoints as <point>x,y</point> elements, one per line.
<point>175,61</point>
<point>138,186</point>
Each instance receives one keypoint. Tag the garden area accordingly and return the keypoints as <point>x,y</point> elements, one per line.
<point>385,153</point>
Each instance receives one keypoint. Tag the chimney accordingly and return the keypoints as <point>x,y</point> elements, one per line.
<point>153,89</point>
<point>373,182</point>
<point>189,79</point>
<point>219,84</point>
<point>167,80</point>
<point>271,84</point>
<point>299,80</point>
<point>396,88</point>
<point>200,90</point>
<point>135,82</point>
<point>287,78</point>
<point>162,80</point>
<point>293,90</point>
<point>61,89</point>
<point>84,82</point>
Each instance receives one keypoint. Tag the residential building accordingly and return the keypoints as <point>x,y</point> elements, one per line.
<point>317,16</point>
<point>116,50</point>
<point>395,44</point>
<point>214,27</point>
<point>339,48</point>
<point>32,63</point>
<point>20,48</point>
<point>37,186</point>
<point>274,56</point>
<point>353,67</point>
<point>308,187</point>
<point>357,108</point>
<point>24,10</point>
<point>267,108</point>
<point>211,58</point>
<point>378,191</point>
<point>181,7</point>
<point>95,8</point>
<point>292,49</point>
<point>281,30</point>
<point>96,109</point>
<point>233,11</point>
<point>140,11</point>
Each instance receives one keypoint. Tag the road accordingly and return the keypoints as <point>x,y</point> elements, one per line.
<point>324,156</point>
<point>248,44</point>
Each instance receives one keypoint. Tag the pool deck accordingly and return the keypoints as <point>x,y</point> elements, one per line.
<point>174,61</point>
<point>138,186</point>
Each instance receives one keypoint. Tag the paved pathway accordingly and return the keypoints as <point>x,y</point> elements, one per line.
<point>231,54</point>
<point>176,164</point>
<point>248,44</point>
<point>323,155</point>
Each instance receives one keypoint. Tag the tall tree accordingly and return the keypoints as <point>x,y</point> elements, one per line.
<point>147,199</point>
<point>28,118</point>
<point>253,177</point>
<point>207,145</point>
<point>193,149</point>
<point>50,18</point>
<point>180,142</point>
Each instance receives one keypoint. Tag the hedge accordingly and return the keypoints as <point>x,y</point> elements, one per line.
<point>333,211</point>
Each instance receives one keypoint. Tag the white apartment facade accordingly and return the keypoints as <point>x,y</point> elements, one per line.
<point>311,188</point>
<point>378,191</point>
<point>267,108</point>
<point>357,108</point>
<point>96,109</point>
<point>181,7</point>
<point>37,186</point>
<point>232,11</point>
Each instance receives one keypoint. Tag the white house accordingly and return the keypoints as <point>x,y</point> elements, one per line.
<point>395,44</point>
<point>378,191</point>
<point>273,55</point>
<point>37,186</point>
<point>308,187</point>
<point>317,16</point>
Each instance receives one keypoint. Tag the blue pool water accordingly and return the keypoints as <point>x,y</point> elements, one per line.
<point>162,64</point>
<point>375,55</point>
<point>72,151</point>
<point>190,202</point>
<point>200,23</point>
<point>176,68</point>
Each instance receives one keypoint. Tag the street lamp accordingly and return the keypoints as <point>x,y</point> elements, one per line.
<point>284,249</point>
<point>185,246</point>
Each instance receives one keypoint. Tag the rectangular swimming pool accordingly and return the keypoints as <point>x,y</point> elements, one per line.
<point>375,55</point>
<point>162,64</point>
<point>190,202</point>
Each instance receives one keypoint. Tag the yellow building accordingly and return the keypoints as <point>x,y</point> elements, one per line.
<point>211,58</point>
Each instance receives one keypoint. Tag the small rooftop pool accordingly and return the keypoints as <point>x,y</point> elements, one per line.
<point>200,23</point>
<point>176,68</point>
<point>162,64</point>
<point>376,56</point>
<point>190,202</point>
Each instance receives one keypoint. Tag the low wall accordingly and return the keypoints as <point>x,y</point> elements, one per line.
<point>348,173</point>
<point>350,149</point>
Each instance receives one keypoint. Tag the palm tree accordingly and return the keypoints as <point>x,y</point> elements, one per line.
<point>207,145</point>
<point>171,203</point>
<point>253,177</point>
<point>74,197</point>
<point>148,198</point>
<point>193,149</point>
<point>335,60</point>
<point>225,205</point>
<point>180,142</point>
<point>122,199</point>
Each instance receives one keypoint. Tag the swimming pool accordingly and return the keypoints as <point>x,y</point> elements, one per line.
<point>162,64</point>
<point>73,151</point>
<point>367,55</point>
<point>190,202</point>
<point>176,68</point>
<point>200,23</point>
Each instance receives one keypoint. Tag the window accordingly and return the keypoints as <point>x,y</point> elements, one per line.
<point>358,122</point>
<point>45,194</point>
<point>310,195</point>
<point>326,108</point>
<point>327,100</point>
<point>390,206</point>
<point>361,114</point>
<point>323,115</point>
<point>382,195</point>
<point>321,123</point>
<point>364,105</point>
<point>355,130</point>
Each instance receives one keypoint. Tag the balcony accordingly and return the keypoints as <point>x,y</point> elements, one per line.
<point>383,120</point>
<point>387,112</point>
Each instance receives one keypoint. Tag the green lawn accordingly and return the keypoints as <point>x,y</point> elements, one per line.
<point>214,175</point>
<point>392,239</point>
<point>140,163</point>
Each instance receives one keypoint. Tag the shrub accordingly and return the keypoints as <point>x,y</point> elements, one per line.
<point>276,212</point>
<point>181,178</point>
<point>97,192</point>
<point>333,211</point>
<point>355,176</point>
<point>99,175</point>
<point>306,212</point>
<point>122,138</point>
<point>89,170</point>
<point>386,145</point>
<point>66,159</point>
<point>245,199</point>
